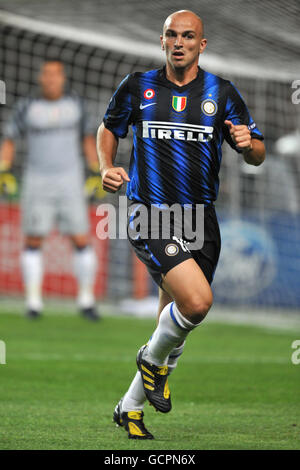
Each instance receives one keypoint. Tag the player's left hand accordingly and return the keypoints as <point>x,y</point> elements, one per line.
<point>8,184</point>
<point>240,135</point>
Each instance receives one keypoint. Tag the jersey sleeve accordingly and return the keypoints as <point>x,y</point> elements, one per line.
<point>118,114</point>
<point>15,127</point>
<point>237,112</point>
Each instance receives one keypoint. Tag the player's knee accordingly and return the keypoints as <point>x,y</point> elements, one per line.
<point>32,242</point>
<point>199,311</point>
<point>80,241</point>
<point>196,307</point>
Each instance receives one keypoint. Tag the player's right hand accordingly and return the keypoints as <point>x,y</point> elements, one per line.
<point>113,179</point>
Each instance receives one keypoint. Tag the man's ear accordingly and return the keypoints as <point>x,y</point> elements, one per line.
<point>203,44</point>
<point>162,42</point>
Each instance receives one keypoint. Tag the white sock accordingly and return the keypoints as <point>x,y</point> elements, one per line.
<point>85,264</point>
<point>174,356</point>
<point>32,269</point>
<point>172,330</point>
<point>135,398</point>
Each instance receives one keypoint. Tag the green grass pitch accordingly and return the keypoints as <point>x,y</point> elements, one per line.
<point>235,386</point>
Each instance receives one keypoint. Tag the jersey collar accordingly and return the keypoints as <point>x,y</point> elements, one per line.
<point>169,84</point>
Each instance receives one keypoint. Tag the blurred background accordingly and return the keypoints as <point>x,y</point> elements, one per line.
<point>256,45</point>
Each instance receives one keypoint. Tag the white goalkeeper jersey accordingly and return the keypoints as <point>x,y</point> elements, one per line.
<point>53,131</point>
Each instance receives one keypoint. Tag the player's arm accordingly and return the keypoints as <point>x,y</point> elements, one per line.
<point>107,146</point>
<point>90,152</point>
<point>8,183</point>
<point>253,150</point>
<point>14,129</point>
<point>7,153</point>
<point>256,154</point>
<point>115,125</point>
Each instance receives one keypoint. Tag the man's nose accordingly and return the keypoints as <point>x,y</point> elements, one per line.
<point>178,42</point>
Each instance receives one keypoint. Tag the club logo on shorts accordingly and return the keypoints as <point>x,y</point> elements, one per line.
<point>149,94</point>
<point>209,107</point>
<point>179,103</point>
<point>171,249</point>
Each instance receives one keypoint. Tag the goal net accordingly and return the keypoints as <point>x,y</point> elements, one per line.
<point>259,208</point>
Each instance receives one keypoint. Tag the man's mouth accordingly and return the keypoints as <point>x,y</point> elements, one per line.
<point>178,54</point>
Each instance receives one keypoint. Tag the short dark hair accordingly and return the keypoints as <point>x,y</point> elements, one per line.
<point>52,59</point>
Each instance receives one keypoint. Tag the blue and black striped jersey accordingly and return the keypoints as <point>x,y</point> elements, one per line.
<point>177,134</point>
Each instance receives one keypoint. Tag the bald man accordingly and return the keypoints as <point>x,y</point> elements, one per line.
<point>180,116</point>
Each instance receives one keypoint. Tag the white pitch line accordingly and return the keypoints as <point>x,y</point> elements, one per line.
<point>100,358</point>
<point>281,321</point>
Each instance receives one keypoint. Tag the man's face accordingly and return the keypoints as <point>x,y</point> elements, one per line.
<point>182,40</point>
<point>52,80</point>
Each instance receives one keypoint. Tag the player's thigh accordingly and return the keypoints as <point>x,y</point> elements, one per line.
<point>38,215</point>
<point>188,286</point>
<point>72,217</point>
<point>173,268</point>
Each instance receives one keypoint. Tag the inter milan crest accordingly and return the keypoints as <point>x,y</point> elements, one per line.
<point>171,249</point>
<point>179,103</point>
<point>209,107</point>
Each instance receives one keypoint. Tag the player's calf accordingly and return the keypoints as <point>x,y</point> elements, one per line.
<point>152,361</point>
<point>174,357</point>
<point>32,270</point>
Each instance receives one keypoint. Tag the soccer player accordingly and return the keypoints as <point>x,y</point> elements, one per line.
<point>56,128</point>
<point>180,115</point>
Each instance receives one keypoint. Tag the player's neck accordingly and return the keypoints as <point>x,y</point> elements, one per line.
<point>182,76</point>
<point>52,96</point>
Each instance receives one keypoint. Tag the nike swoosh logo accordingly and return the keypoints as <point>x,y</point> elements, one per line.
<point>143,106</point>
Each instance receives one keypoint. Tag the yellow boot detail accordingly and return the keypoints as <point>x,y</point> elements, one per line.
<point>147,371</point>
<point>166,390</point>
<point>163,370</point>
<point>135,414</point>
<point>134,430</point>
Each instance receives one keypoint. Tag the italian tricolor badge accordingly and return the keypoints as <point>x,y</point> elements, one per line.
<point>179,103</point>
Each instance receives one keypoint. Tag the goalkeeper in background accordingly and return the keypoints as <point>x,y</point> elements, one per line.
<point>57,129</point>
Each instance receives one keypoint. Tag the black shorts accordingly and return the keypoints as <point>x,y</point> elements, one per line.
<point>161,255</point>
